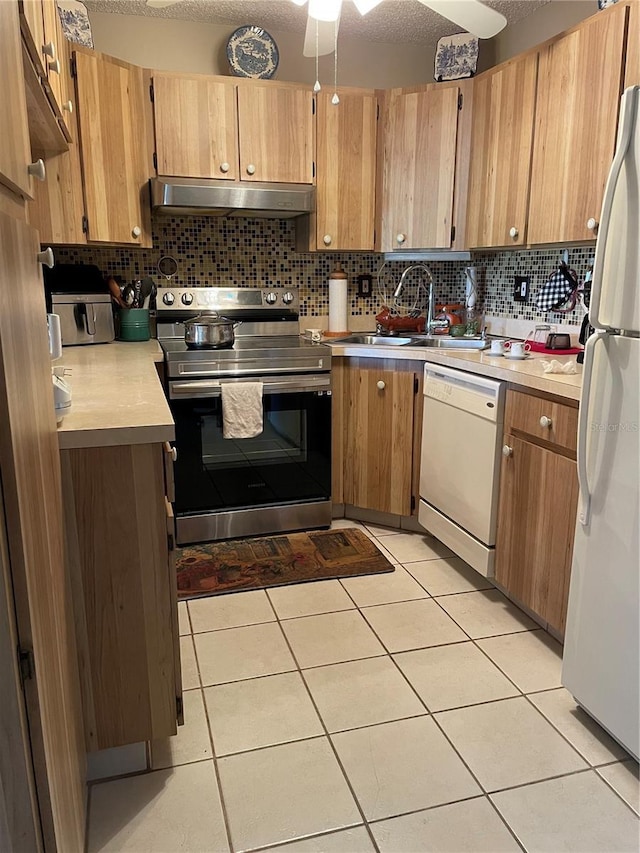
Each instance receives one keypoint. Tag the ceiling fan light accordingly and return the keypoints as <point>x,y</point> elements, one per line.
<point>299,2</point>
<point>364,6</point>
<point>325,10</point>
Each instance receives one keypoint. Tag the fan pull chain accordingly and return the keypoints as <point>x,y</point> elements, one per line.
<point>335,100</point>
<point>316,85</point>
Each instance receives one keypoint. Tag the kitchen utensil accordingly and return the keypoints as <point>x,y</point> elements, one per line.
<point>558,341</point>
<point>114,290</point>
<point>209,330</point>
<point>167,266</point>
<point>128,295</point>
<point>137,290</point>
<point>145,291</point>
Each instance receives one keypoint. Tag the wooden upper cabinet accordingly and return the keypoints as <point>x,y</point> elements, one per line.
<point>15,152</point>
<point>419,169</point>
<point>632,71</point>
<point>579,83</point>
<point>32,26</point>
<point>346,171</point>
<point>196,126</point>
<point>111,103</point>
<point>501,143</point>
<point>275,126</point>
<point>52,50</point>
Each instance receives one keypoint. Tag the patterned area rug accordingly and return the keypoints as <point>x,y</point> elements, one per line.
<point>274,560</point>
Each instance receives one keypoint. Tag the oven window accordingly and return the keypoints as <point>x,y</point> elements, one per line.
<point>290,461</point>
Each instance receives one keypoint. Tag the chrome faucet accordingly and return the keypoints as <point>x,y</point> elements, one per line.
<point>431,323</point>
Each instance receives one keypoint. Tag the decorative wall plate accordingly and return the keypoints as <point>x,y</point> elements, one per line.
<point>252,52</point>
<point>75,22</point>
<point>456,57</point>
<point>604,4</point>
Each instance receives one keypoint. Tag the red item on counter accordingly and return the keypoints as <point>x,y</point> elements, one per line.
<point>541,348</point>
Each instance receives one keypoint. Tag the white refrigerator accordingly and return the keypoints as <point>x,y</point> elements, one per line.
<point>601,665</point>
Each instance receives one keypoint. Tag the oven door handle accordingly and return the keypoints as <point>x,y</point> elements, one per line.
<point>275,385</point>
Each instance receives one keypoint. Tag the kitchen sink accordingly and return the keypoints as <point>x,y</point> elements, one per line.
<point>375,340</point>
<point>447,342</point>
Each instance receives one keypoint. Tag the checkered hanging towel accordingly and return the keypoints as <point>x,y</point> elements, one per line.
<point>559,288</point>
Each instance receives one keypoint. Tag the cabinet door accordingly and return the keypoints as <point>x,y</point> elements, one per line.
<point>632,71</point>
<point>15,153</point>
<point>536,521</point>
<point>57,210</point>
<point>196,127</point>
<point>578,97</point>
<point>53,58</point>
<point>346,171</point>
<point>502,138</point>
<point>419,169</point>
<point>30,474</point>
<point>32,25</point>
<point>378,451</point>
<point>276,133</point>
<point>110,104</point>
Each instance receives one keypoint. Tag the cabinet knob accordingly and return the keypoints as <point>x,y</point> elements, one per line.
<point>136,231</point>
<point>54,66</point>
<point>327,239</point>
<point>380,385</point>
<point>49,49</point>
<point>592,224</point>
<point>507,451</point>
<point>400,238</point>
<point>224,167</point>
<point>46,257</point>
<point>37,170</point>
<point>68,107</point>
<point>545,422</point>
<point>251,169</point>
<point>513,232</point>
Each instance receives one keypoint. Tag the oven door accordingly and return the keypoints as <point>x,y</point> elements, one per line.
<point>288,464</point>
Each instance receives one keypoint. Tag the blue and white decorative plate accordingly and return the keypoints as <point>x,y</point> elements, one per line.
<point>252,52</point>
<point>75,22</point>
<point>456,57</point>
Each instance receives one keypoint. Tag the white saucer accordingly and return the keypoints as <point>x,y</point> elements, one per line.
<point>494,354</point>
<point>518,357</point>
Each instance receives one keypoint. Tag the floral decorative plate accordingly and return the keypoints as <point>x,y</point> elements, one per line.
<point>456,57</point>
<point>75,22</point>
<point>252,52</point>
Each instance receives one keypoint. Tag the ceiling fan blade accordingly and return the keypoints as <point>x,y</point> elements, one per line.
<point>471,15</point>
<point>162,4</point>
<point>326,37</point>
<point>364,6</point>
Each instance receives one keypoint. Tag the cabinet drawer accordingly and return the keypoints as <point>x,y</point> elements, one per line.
<point>542,419</point>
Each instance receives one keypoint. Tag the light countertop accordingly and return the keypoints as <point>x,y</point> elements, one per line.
<point>117,397</point>
<point>527,373</point>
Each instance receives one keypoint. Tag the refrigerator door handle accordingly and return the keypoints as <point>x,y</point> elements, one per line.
<point>584,510</point>
<point>628,110</point>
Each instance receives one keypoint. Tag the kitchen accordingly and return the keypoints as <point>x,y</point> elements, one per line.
<point>276,262</point>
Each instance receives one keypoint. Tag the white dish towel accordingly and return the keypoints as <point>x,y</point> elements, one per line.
<point>242,409</point>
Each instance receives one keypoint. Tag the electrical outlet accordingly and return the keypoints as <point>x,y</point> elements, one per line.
<point>365,285</point>
<point>521,288</point>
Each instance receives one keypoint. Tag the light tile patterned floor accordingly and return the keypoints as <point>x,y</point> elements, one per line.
<point>397,713</point>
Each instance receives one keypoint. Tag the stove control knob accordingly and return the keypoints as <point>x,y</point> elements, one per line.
<point>271,298</point>
<point>287,298</point>
<point>168,298</point>
<point>187,298</point>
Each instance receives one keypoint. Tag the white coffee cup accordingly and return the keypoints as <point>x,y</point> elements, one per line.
<point>314,334</point>
<point>497,348</point>
<point>517,349</point>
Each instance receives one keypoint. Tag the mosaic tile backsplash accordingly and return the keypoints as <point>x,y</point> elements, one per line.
<point>237,252</point>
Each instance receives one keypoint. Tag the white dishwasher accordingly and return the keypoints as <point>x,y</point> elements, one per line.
<point>460,462</point>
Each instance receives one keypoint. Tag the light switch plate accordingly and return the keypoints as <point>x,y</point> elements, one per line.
<point>521,288</point>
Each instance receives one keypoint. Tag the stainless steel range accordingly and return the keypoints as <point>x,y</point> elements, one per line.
<point>280,480</point>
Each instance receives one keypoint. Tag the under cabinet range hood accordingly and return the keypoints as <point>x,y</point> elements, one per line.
<point>209,197</point>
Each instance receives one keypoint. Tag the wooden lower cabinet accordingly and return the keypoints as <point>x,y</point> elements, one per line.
<point>380,421</point>
<point>124,592</point>
<point>536,518</point>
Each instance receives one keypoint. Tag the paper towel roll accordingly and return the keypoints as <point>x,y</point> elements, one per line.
<point>338,314</point>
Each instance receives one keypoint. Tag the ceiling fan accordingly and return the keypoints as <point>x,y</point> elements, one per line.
<point>324,17</point>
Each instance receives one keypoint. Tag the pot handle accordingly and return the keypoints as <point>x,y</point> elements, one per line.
<point>237,323</point>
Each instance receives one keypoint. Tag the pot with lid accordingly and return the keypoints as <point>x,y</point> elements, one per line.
<point>209,330</point>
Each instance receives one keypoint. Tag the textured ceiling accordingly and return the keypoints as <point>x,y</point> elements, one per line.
<point>392,21</point>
